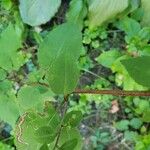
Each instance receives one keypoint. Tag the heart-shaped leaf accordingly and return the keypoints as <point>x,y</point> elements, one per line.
<point>102,10</point>
<point>138,69</point>
<point>58,56</point>
<point>37,12</point>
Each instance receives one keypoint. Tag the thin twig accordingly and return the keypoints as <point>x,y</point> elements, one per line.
<point>113,92</point>
<point>92,73</point>
<point>65,102</point>
<point>102,92</point>
<point>58,136</point>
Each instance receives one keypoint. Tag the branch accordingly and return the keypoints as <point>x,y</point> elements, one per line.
<point>65,103</point>
<point>113,92</point>
<point>102,92</point>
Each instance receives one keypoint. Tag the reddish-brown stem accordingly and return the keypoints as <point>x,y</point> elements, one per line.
<point>107,92</point>
<point>113,92</point>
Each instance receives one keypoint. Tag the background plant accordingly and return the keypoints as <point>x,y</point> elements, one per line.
<point>68,46</point>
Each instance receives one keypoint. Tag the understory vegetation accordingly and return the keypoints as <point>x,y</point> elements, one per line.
<point>74,75</point>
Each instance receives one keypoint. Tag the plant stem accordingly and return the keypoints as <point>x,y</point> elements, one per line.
<point>65,103</point>
<point>115,92</point>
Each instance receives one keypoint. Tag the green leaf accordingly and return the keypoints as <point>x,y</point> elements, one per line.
<point>37,12</point>
<point>137,14</point>
<point>122,76</point>
<point>73,118</point>
<point>69,145</point>
<point>68,134</point>
<point>58,55</point>
<point>10,42</point>
<point>146,17</point>
<point>135,123</point>
<point>9,111</point>
<point>138,69</point>
<point>107,58</point>
<point>77,12</point>
<point>6,4</point>
<point>45,134</point>
<point>122,125</point>
<point>5,146</point>
<point>31,126</point>
<point>29,97</point>
<point>144,34</point>
<point>146,116</point>
<point>44,147</point>
<point>53,116</point>
<point>25,130</point>
<point>101,11</point>
<point>142,106</point>
<point>3,74</point>
<point>32,97</point>
<point>134,4</point>
<point>130,26</point>
<point>130,135</point>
